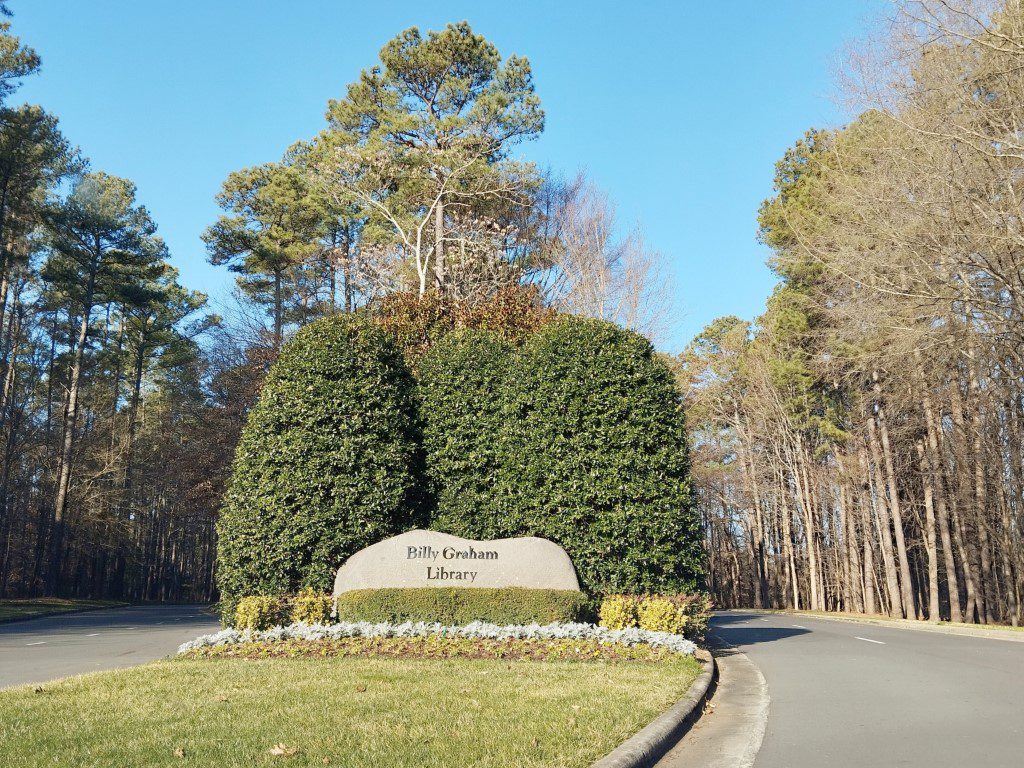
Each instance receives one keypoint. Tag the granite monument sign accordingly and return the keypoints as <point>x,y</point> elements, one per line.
<point>431,559</point>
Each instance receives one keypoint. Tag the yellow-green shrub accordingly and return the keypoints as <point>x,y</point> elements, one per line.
<point>680,614</point>
<point>259,612</point>
<point>659,615</point>
<point>618,612</point>
<point>311,607</point>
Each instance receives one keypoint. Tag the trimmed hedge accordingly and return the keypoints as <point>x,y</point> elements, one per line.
<point>461,381</point>
<point>328,463</point>
<point>594,457</point>
<point>458,606</point>
<point>577,436</point>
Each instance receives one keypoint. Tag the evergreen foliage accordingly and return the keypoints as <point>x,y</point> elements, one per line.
<point>594,457</point>
<point>461,383</point>
<point>327,464</point>
<point>577,437</point>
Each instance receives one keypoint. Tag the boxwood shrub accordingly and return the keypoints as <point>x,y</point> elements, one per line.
<point>461,382</point>
<point>594,457</point>
<point>328,463</point>
<point>457,606</point>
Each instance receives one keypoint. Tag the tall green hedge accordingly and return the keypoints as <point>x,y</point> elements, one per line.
<point>328,463</point>
<point>594,457</point>
<point>461,384</point>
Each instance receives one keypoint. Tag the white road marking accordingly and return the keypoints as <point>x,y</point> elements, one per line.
<point>764,619</point>
<point>41,642</point>
<point>93,634</point>
<point>800,626</point>
<point>869,640</point>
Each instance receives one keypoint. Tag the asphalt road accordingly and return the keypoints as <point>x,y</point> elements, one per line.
<point>38,650</point>
<point>848,695</point>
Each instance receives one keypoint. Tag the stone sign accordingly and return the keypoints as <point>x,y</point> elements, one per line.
<point>431,559</point>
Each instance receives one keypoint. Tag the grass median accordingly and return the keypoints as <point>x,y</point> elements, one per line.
<point>366,712</point>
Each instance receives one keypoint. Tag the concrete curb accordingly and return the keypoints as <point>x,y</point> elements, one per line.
<point>647,747</point>
<point>1008,635</point>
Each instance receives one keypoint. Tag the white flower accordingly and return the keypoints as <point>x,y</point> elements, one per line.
<point>477,630</point>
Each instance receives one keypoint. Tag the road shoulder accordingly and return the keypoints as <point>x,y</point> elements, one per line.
<point>729,733</point>
<point>1009,635</point>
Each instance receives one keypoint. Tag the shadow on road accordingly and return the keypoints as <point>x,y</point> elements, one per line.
<point>739,629</point>
<point>148,616</point>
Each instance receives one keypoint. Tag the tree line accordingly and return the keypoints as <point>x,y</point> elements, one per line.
<point>859,446</point>
<point>100,372</point>
<point>123,395</point>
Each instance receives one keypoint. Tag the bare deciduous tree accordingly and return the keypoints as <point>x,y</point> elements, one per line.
<point>593,269</point>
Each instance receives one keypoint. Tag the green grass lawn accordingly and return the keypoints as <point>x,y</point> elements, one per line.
<point>26,608</point>
<point>357,712</point>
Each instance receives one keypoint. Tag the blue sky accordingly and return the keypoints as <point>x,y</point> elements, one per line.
<point>678,109</point>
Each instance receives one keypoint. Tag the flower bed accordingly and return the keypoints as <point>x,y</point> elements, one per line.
<point>436,647</point>
<point>474,640</point>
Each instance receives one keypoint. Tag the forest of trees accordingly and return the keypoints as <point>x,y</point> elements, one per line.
<point>100,375</point>
<point>123,396</point>
<point>860,446</point>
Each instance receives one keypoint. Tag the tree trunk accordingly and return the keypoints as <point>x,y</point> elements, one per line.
<point>935,472</point>
<point>930,543</point>
<point>787,542</point>
<point>439,265</point>
<point>278,309</point>
<point>869,553</point>
<point>68,437</point>
<point>884,524</point>
<point>910,610</point>
<point>133,412</point>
